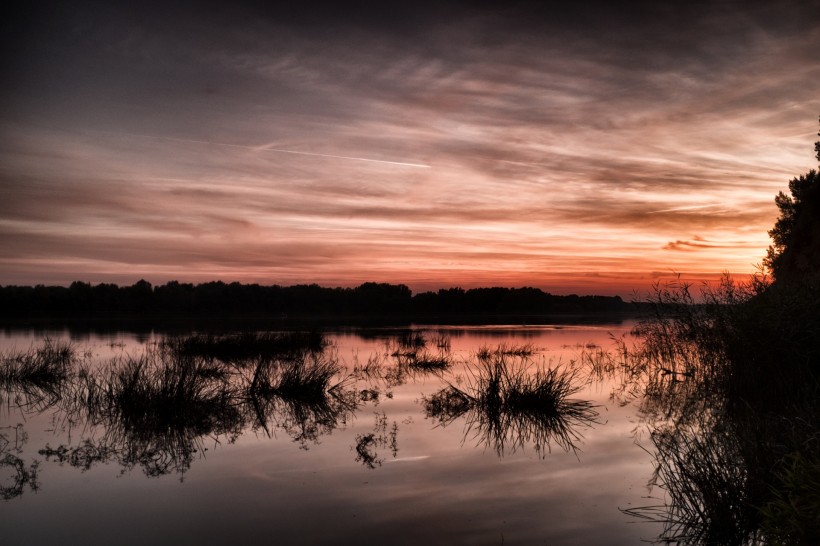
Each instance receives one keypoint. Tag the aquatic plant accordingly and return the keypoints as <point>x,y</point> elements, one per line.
<point>84,456</point>
<point>155,410</point>
<point>308,376</point>
<point>41,366</point>
<point>13,466</point>
<point>508,404</point>
<point>245,346</point>
<point>411,339</point>
<point>701,468</point>
<point>381,437</point>
<point>442,342</point>
<point>730,391</point>
<point>35,378</point>
<point>486,353</point>
<point>299,396</point>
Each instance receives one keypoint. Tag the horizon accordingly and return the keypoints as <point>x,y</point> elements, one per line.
<point>413,292</point>
<point>591,150</point>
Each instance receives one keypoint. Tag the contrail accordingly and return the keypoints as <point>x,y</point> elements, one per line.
<point>676,209</point>
<point>280,151</point>
<point>264,149</point>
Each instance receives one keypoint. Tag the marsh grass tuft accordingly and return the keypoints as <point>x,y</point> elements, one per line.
<point>509,404</point>
<point>412,357</point>
<point>412,339</point>
<point>42,366</point>
<point>155,409</point>
<point>700,466</point>
<point>428,363</point>
<point>308,376</point>
<point>442,342</point>
<point>246,346</point>
<point>302,396</point>
<point>487,354</point>
<point>36,378</point>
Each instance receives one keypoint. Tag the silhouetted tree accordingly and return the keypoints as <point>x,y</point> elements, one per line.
<point>218,299</point>
<point>795,252</point>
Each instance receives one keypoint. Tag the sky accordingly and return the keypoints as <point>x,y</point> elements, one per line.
<point>591,149</point>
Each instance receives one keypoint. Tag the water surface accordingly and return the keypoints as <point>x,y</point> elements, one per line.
<point>379,468</point>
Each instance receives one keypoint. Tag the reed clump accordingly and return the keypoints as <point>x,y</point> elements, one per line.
<point>412,339</point>
<point>155,409</point>
<point>309,376</point>
<point>37,378</point>
<point>486,353</point>
<point>744,354</point>
<point>442,342</point>
<point>428,363</point>
<point>302,396</point>
<point>43,366</point>
<point>246,346</point>
<point>509,404</point>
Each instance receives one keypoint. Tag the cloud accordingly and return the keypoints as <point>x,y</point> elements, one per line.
<point>563,146</point>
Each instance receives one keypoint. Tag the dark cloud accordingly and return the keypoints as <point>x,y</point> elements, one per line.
<point>699,243</point>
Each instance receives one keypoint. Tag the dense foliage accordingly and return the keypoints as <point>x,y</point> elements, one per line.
<point>794,256</point>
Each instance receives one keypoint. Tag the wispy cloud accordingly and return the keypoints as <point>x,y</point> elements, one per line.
<point>568,150</point>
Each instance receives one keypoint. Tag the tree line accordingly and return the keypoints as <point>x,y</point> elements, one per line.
<point>219,299</point>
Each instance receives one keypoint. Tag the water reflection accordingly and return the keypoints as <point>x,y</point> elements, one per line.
<point>16,472</point>
<point>735,449</point>
<point>34,379</point>
<point>702,468</point>
<point>126,411</point>
<point>380,438</point>
<point>508,405</point>
<point>154,410</point>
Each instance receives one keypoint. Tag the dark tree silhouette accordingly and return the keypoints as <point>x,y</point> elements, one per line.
<point>372,301</point>
<point>795,252</point>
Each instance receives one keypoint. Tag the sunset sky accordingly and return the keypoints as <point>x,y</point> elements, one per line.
<point>586,150</point>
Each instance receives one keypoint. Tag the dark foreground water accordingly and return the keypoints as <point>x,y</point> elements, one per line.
<point>379,465</point>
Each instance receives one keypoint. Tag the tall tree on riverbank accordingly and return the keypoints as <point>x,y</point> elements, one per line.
<point>794,256</point>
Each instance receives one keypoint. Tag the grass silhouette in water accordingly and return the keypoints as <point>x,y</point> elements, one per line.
<point>524,351</point>
<point>380,438</point>
<point>46,365</point>
<point>509,404</point>
<point>36,377</point>
<point>729,387</point>
<point>412,357</point>
<point>246,345</point>
<point>155,409</point>
<point>700,464</point>
<point>17,474</point>
<point>299,395</point>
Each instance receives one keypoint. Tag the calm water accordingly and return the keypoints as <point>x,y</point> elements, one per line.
<point>379,470</point>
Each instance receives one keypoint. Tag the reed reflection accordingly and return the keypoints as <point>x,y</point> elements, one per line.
<point>407,356</point>
<point>17,475</point>
<point>34,379</point>
<point>510,403</point>
<point>728,392</point>
<point>155,410</point>
<point>382,437</point>
<point>298,396</point>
